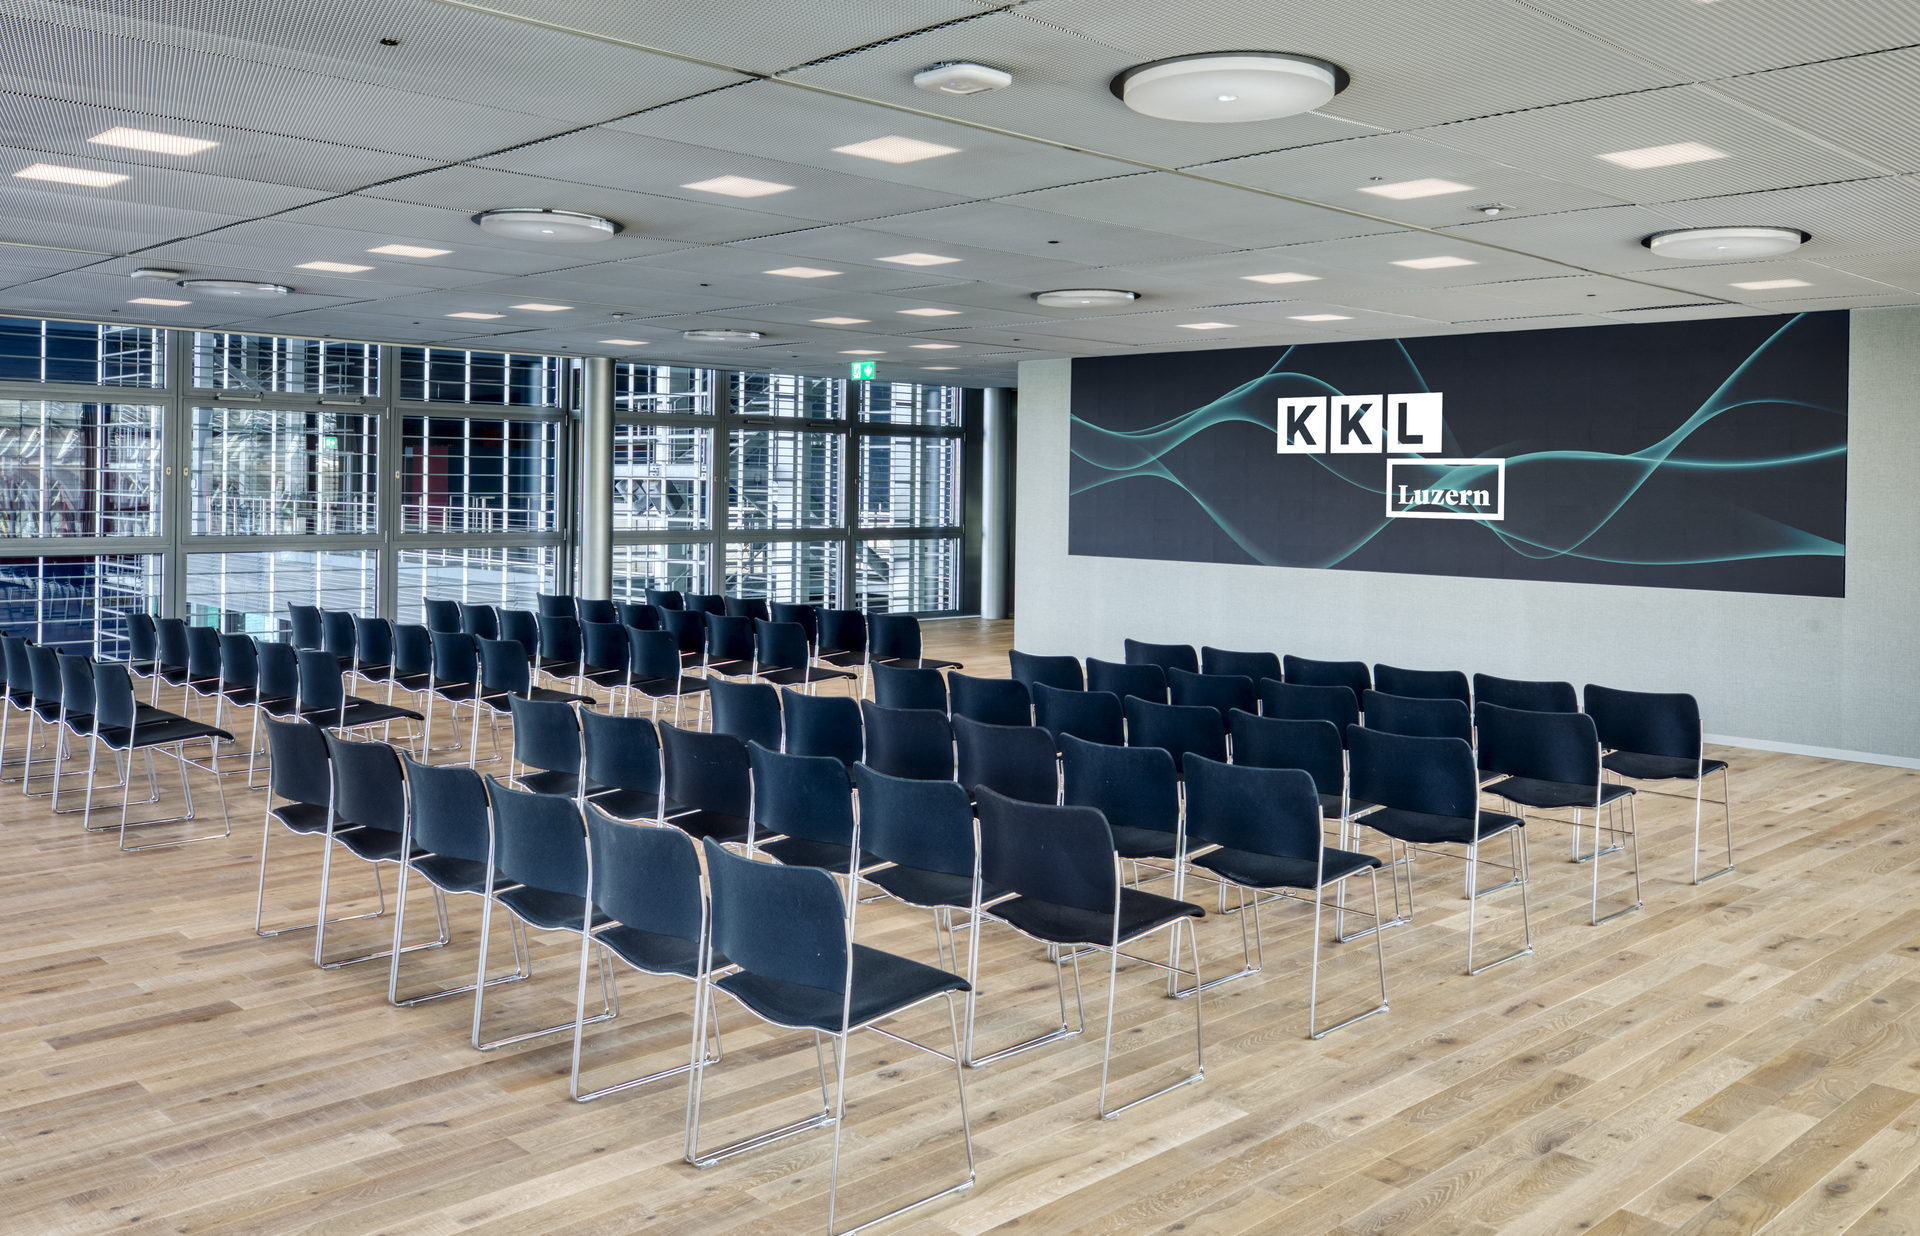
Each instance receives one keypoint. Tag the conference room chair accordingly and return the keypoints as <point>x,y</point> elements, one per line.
<point>44,669</point>
<point>630,614</point>
<point>523,628</point>
<point>1061,867</point>
<point>1015,760</point>
<point>789,935</point>
<point>440,617</point>
<point>747,607</point>
<point>823,725</point>
<point>1258,830</point>
<point>1221,692</point>
<point>656,669</point>
<point>896,687</point>
<point>1417,718</point>
<point>647,883</point>
<point>802,810</point>
<point>554,605</point>
<point>1254,665</point>
<point>1429,797</point>
<point>451,844</point>
<point>666,598</point>
<point>707,603</point>
<point>412,669</point>
<point>276,689</point>
<point>560,646</point>
<point>373,652</point>
<point>596,609</point>
<point>710,778</point>
<point>895,639</point>
<point>995,701</point>
<point>324,698</point>
<point>1136,790</point>
<point>783,656</point>
<point>19,695</point>
<point>1177,729</point>
<point>240,682</point>
<point>203,672</point>
<point>729,647</point>
<point>300,776</point>
<point>1422,684</point>
<point>546,747</point>
<point>479,621</point>
<point>808,616</point>
<point>143,648</point>
<point>455,681</point>
<point>540,856</point>
<point>908,742</point>
<point>306,629</point>
<point>841,641</point>
<point>1551,762</point>
<point>125,728</point>
<point>689,631</point>
<point>1658,736</point>
<point>504,675</point>
<point>176,656</point>
<point>1525,695</point>
<point>922,831</point>
<point>1147,682</point>
<point>1166,656</point>
<point>337,635</point>
<point>1311,746</point>
<point>367,817</point>
<point>606,662</point>
<point>749,711</point>
<point>620,758</point>
<point>1095,716</point>
<point>74,722</point>
<point>1290,701</point>
<point>1352,675</point>
<point>1061,673</point>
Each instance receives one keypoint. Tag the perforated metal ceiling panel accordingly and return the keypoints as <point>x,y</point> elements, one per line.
<point>1708,40</point>
<point>1159,202</point>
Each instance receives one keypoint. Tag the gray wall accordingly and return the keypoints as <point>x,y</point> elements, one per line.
<point>1809,674</point>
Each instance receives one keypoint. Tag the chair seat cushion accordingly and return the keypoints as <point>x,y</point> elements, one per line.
<point>369,712</point>
<point>1047,920</point>
<point>609,677</point>
<point>800,852</point>
<point>920,663</point>
<point>565,784</point>
<point>918,886</point>
<point>843,659</point>
<point>374,673</point>
<point>730,669</point>
<point>454,692</point>
<point>882,984</point>
<point>1143,842</point>
<point>800,677</point>
<point>547,695</point>
<point>548,910</point>
<point>303,818</point>
<point>164,730</point>
<point>1643,767</point>
<point>456,875</point>
<point>655,953</point>
<point>634,804</point>
<point>375,845</point>
<point>1272,871</point>
<point>715,824</point>
<point>662,688</point>
<point>413,682</point>
<point>1423,829</point>
<point>1330,805</point>
<point>1529,792</point>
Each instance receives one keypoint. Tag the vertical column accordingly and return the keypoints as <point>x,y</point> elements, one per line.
<point>389,488</point>
<point>596,479</point>
<point>176,454</point>
<point>996,525</point>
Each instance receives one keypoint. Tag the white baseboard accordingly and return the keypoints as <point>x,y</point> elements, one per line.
<point>1825,753</point>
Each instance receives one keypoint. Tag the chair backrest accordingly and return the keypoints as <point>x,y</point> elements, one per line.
<point>1166,656</point>
<point>785,923</point>
<point>645,617</point>
<point>279,676</point>
<point>748,607</point>
<point>448,803</point>
<point>1177,728</point>
<point>908,742</point>
<point>1647,722</point>
<point>561,640</point>
<point>1254,665</point>
<point>239,664</point>
<point>1300,702</point>
<point>76,684</point>
<point>665,598</point>
<point>113,703</point>
<point>538,840</point>
<point>603,646</point>
<point>46,673</point>
<point>688,628</point>
<point>1422,684</point>
<point>750,711</point>
<point>622,752</point>
<point>1273,811</point>
<point>1546,746</point>
<point>1352,675</point>
<point>203,652</point>
<point>1016,760</point>
<point>728,639</point>
<point>1062,673</point>
<point>321,682</point>
<point>480,620</point>
<point>1147,682</point>
<point>298,766</point>
<point>143,643</point>
<point>646,878</point>
<point>372,641</point>
<point>842,630</point>
<point>503,666</point>
<point>546,734</point>
<point>522,628</point>
<point>171,634</point>
<point>1063,855</point>
<point>308,630</point>
<point>1221,692</point>
<point>916,823</point>
<point>808,616</point>
<point>337,634</point>
<point>1434,776</point>
<point>1093,715</point>
<point>412,649</point>
<point>707,603</point>
<point>595,609</point>
<point>19,664</point>
<point>1133,787</point>
<point>708,772</point>
<point>780,645</point>
<point>554,606</point>
<point>823,725</point>
<point>1523,694</point>
<point>1311,746</point>
<point>441,616</point>
<point>656,654</point>
<point>368,788</point>
<point>1419,718</point>
<point>454,658</point>
<point>894,635</point>
<point>804,796</point>
<point>894,687</point>
<point>996,701</point>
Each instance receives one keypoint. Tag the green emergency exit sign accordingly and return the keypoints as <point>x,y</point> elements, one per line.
<point>860,371</point>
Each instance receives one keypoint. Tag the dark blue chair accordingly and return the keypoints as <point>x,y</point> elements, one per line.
<point>1525,695</point>
<point>1177,729</point>
<point>895,639</point>
<point>1658,736</point>
<point>324,698</point>
<point>1289,701</point>
<point>666,598</point>
<point>1015,760</point>
<point>1422,684</point>
<point>1221,692</point>
<point>1417,718</point>
<point>300,776</point>
<point>1251,665</point>
<point>1306,672</point>
<point>750,711</point>
<point>656,669</point>
<point>908,742</point>
<point>729,645</point>
<point>124,727</point>
<point>824,725</point>
<point>994,701</point>
<point>596,609</point>
<point>803,804</point>
<point>783,656</point>
<point>1313,747</point>
<point>440,617</point>
<point>479,621</point>
<point>546,747</point>
<point>1167,656</point>
<point>894,687</point>
<point>923,832</point>
<point>621,760</point>
<point>1061,673</point>
<point>706,603</point>
<point>367,817</point>
<point>1137,791</point>
<point>1096,716</point>
<point>747,607</point>
<point>1147,682</point>
<point>307,630</point>
<point>710,776</point>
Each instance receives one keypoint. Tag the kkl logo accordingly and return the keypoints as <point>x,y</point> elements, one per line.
<point>1420,488</point>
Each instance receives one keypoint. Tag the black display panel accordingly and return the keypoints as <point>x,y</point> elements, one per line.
<point>1707,454</point>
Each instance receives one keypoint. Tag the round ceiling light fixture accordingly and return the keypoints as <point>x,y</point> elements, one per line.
<point>1726,244</point>
<point>1085,298</point>
<point>235,287</point>
<point>1229,87</point>
<point>722,336</point>
<point>550,226</point>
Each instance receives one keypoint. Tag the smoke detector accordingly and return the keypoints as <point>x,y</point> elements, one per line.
<point>961,77</point>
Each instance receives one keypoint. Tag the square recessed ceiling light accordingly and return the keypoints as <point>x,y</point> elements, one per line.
<point>842,321</point>
<point>738,186</point>
<point>70,175</point>
<point>1283,276</point>
<point>626,343</point>
<point>896,150</point>
<point>410,251</point>
<point>918,259</point>
<point>934,347</point>
<point>932,313</point>
<point>1435,263</point>
<point>801,272</point>
<point>478,317</point>
<point>1206,326</point>
<point>1322,317</point>
<point>1406,190</point>
<point>157,143</point>
<point>1665,156</point>
<point>338,268</point>
<point>155,300</point>
<point>1767,285</point>
<point>537,307</point>
<point>861,352</point>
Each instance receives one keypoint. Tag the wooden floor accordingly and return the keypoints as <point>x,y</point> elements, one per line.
<point>1741,1056</point>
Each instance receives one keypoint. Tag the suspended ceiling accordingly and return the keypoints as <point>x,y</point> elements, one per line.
<point>332,143</point>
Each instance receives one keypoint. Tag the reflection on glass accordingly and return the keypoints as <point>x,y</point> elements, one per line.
<point>662,475</point>
<point>79,469</point>
<point>786,394</point>
<point>271,363</point>
<point>265,472</point>
<point>78,604</point>
<point>805,572</point>
<point>465,475</point>
<point>909,482</point>
<point>783,478</point>
<point>510,577</point>
<point>449,375</point>
<point>908,403</point>
<point>678,568</point>
<point>907,576</point>
<point>663,388</point>
<point>248,593</point>
<point>83,352</point>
